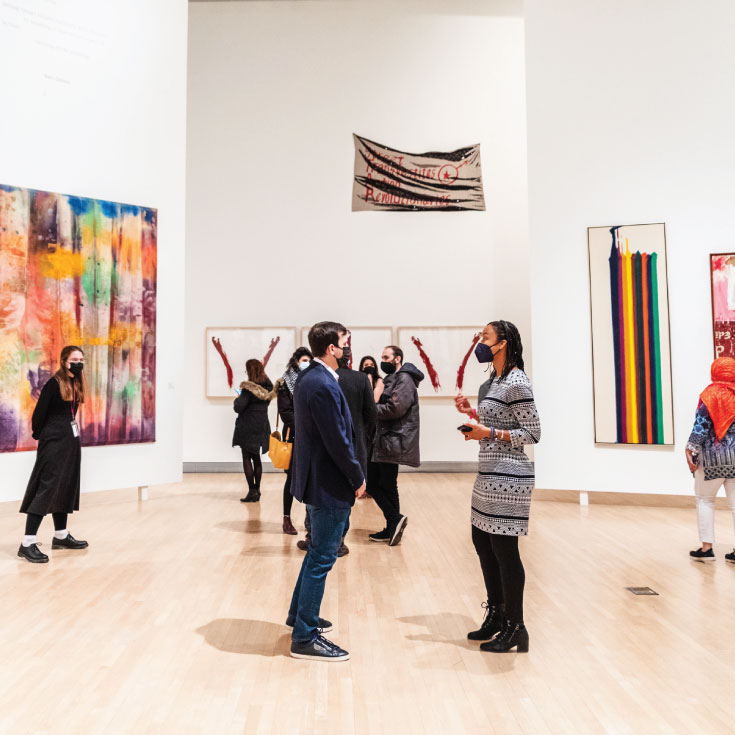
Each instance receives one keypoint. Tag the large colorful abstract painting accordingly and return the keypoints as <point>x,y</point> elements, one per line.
<point>227,349</point>
<point>630,335</point>
<point>722,272</point>
<point>77,271</point>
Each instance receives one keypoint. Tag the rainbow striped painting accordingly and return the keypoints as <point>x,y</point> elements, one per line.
<point>630,335</point>
<point>77,271</point>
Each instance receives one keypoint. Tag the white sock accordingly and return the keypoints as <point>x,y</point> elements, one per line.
<point>61,534</point>
<point>28,540</point>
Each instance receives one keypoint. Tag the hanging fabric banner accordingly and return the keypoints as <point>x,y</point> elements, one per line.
<point>393,180</point>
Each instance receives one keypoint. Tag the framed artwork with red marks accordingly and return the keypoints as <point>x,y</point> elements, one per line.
<point>363,342</point>
<point>227,349</point>
<point>722,279</point>
<point>446,357</point>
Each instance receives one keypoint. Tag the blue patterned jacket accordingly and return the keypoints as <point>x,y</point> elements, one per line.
<point>716,457</point>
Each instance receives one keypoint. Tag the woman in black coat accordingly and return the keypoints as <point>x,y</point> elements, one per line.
<point>299,361</point>
<point>54,484</point>
<point>252,428</point>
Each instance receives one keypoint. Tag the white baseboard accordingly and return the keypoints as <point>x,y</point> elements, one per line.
<point>236,467</point>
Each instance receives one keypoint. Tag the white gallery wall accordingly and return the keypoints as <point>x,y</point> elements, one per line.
<point>276,90</point>
<point>94,104</point>
<point>630,120</point>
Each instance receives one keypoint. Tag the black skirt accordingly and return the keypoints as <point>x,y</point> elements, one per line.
<point>54,483</point>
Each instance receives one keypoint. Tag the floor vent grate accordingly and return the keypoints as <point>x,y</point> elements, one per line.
<point>642,591</point>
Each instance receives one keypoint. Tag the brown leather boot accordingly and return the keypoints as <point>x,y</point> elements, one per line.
<point>288,526</point>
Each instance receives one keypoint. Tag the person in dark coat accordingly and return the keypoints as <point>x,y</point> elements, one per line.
<point>54,483</point>
<point>396,441</point>
<point>252,428</point>
<point>299,361</point>
<point>328,478</point>
<point>358,391</point>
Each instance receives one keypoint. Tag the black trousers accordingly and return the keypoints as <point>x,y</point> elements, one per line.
<point>502,570</point>
<point>33,522</point>
<point>382,484</point>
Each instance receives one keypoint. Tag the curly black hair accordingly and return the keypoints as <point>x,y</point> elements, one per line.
<point>300,352</point>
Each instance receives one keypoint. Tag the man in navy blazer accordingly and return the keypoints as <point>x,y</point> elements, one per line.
<point>326,475</point>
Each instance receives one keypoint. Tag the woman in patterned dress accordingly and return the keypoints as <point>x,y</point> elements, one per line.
<point>505,420</point>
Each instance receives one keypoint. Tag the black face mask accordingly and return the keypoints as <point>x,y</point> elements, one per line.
<point>76,368</point>
<point>346,355</point>
<point>388,367</point>
<point>370,370</point>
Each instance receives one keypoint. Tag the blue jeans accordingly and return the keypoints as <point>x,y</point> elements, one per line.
<point>327,528</point>
<point>307,524</point>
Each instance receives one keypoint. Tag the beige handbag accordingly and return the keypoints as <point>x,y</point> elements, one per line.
<point>279,450</point>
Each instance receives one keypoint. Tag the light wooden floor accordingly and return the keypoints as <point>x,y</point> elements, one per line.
<point>172,621</point>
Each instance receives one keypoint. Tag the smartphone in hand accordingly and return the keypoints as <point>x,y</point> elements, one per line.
<point>464,429</point>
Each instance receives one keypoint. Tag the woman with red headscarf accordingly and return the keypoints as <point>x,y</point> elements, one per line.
<point>710,453</point>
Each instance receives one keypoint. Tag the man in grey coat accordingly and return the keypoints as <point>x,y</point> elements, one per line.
<point>396,441</point>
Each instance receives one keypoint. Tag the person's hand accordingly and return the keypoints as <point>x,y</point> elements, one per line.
<point>690,461</point>
<point>478,432</point>
<point>360,492</point>
<point>463,404</point>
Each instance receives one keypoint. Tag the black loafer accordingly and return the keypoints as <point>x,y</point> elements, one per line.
<point>32,554</point>
<point>320,649</point>
<point>324,625</point>
<point>68,543</point>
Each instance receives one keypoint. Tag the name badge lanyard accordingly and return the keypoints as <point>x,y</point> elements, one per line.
<point>73,409</point>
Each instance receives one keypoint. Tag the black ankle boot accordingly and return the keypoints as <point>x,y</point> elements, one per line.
<point>253,495</point>
<point>491,625</point>
<point>512,635</point>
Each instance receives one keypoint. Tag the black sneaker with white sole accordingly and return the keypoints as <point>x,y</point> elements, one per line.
<point>395,538</point>
<point>383,535</point>
<point>700,555</point>
<point>730,557</point>
<point>320,649</point>
<point>323,626</point>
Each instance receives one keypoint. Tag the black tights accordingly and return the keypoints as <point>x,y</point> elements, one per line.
<point>287,497</point>
<point>33,522</point>
<point>253,467</point>
<point>502,570</point>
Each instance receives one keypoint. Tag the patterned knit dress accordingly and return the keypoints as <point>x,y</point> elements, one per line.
<point>501,497</point>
